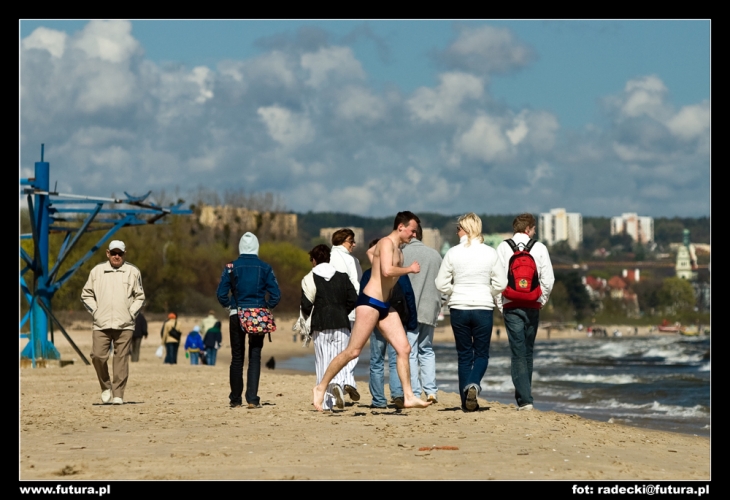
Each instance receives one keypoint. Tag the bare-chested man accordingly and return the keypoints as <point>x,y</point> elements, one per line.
<point>373,310</point>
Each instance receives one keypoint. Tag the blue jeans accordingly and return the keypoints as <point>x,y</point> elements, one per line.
<point>426,360</point>
<point>473,334</point>
<point>210,355</point>
<point>171,353</point>
<point>238,352</point>
<point>521,325</point>
<point>194,358</point>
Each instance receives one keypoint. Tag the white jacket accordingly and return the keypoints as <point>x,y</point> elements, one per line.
<point>471,276</point>
<point>113,296</point>
<point>540,253</point>
<point>344,262</point>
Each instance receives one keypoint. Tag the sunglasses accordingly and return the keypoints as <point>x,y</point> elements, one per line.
<point>117,254</point>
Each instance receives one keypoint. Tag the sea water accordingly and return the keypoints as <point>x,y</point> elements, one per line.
<point>661,382</point>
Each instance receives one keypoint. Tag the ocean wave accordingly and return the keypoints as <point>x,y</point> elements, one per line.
<point>647,409</point>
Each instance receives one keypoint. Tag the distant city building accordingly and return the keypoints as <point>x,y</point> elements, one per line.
<point>275,225</point>
<point>559,225</point>
<point>641,229</point>
<point>326,234</point>
<point>432,238</point>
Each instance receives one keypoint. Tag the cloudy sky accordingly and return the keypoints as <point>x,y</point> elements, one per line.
<point>372,117</point>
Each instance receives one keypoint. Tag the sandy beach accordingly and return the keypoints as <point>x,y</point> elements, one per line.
<point>176,424</point>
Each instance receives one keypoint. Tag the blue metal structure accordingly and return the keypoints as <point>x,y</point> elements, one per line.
<point>48,208</point>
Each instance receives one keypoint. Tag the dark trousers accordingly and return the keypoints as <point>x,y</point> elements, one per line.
<point>136,345</point>
<point>171,352</point>
<point>472,334</point>
<point>521,325</point>
<point>238,353</point>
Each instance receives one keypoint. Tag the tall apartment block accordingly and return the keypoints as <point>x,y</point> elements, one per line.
<point>559,225</point>
<point>641,229</point>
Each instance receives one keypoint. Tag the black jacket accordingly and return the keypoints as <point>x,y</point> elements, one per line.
<point>332,303</point>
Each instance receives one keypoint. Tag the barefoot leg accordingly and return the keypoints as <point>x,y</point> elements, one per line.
<point>393,331</point>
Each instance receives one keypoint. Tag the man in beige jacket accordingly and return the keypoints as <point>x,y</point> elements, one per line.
<point>113,295</point>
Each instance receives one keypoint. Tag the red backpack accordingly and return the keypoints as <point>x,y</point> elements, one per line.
<point>523,284</point>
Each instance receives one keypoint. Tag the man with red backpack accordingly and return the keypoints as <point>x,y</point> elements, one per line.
<point>530,280</point>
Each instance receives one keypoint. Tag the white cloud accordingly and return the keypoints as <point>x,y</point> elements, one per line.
<point>354,103</point>
<point>330,62</point>
<point>287,128</point>
<point>442,103</point>
<point>203,77</point>
<point>486,49</point>
<point>691,121</point>
<point>485,140</point>
<point>110,41</point>
<point>46,39</point>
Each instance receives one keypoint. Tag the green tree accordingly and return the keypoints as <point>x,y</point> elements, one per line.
<point>676,295</point>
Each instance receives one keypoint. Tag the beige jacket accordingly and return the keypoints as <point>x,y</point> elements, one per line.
<point>113,296</point>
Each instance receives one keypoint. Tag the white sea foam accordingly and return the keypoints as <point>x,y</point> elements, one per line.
<point>705,367</point>
<point>673,356</point>
<point>648,409</point>
<point>593,379</point>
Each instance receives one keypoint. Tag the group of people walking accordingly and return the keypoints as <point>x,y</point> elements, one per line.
<point>395,304</point>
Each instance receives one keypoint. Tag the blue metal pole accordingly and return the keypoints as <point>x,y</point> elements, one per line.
<point>40,347</point>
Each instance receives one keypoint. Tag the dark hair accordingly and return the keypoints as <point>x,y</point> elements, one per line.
<point>373,243</point>
<point>522,222</point>
<point>320,254</point>
<point>419,232</point>
<point>404,218</point>
<point>339,236</point>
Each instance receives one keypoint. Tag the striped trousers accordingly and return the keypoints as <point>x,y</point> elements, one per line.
<point>327,345</point>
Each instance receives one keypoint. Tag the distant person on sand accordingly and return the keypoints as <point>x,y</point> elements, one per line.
<point>113,295</point>
<point>373,309</point>
<point>212,342</point>
<point>471,276</point>
<point>428,303</point>
<point>194,345</point>
<point>170,338</point>
<point>249,289</point>
<point>140,331</point>
<point>328,296</point>
<point>208,322</point>
<point>522,315</point>
<point>343,244</point>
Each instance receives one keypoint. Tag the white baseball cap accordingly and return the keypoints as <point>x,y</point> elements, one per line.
<point>117,245</point>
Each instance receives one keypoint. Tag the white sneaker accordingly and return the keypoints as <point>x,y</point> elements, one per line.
<point>106,396</point>
<point>117,401</point>
<point>471,398</point>
<point>525,408</point>
<point>339,396</point>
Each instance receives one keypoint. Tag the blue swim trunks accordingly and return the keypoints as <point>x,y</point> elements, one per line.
<point>383,308</point>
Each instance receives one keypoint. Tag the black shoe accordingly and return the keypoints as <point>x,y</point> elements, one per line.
<point>236,405</point>
<point>352,392</point>
<point>399,402</point>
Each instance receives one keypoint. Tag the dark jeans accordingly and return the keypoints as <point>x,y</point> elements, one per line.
<point>171,353</point>
<point>238,353</point>
<point>473,334</point>
<point>211,354</point>
<point>134,350</point>
<point>521,325</point>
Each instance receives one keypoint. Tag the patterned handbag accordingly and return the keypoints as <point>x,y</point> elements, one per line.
<point>256,320</point>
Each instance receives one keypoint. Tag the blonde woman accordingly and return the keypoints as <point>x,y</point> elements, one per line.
<point>471,276</point>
